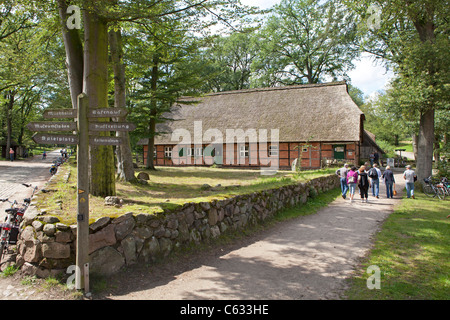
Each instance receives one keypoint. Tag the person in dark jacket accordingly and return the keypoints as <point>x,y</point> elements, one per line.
<point>389,181</point>
<point>363,184</point>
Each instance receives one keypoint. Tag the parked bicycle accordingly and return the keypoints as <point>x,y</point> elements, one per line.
<point>9,229</point>
<point>53,169</point>
<point>436,188</point>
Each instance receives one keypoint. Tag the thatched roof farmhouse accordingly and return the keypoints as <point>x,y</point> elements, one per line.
<point>316,123</point>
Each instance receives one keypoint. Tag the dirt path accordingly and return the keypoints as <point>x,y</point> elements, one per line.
<point>304,258</point>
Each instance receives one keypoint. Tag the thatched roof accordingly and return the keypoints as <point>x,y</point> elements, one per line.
<point>317,112</point>
<point>369,139</point>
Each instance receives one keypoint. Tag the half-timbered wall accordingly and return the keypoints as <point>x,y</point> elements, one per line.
<point>312,155</point>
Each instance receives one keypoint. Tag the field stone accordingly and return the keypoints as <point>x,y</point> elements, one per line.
<point>112,200</point>
<point>124,228</point>
<point>62,226</point>
<point>212,217</point>
<point>63,236</point>
<point>143,176</point>
<point>55,250</point>
<point>151,250</point>
<point>165,246</point>
<point>37,225</point>
<point>104,237</point>
<point>99,224</point>
<point>49,229</point>
<point>106,261</point>
<point>49,219</point>
<point>129,250</point>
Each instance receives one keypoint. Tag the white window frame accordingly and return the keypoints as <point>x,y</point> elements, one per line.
<point>198,152</point>
<point>273,151</point>
<point>243,151</point>
<point>190,152</point>
<point>168,152</point>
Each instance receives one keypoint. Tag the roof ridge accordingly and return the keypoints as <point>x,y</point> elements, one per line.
<point>291,87</point>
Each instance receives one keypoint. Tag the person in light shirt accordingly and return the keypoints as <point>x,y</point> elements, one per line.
<point>409,176</point>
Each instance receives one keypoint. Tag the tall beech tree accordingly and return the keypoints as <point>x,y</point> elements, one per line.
<point>412,37</point>
<point>87,62</point>
<point>306,41</point>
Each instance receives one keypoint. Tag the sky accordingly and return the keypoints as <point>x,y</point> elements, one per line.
<point>367,75</point>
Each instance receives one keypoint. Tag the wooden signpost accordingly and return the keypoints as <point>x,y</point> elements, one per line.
<point>43,138</point>
<point>52,126</point>
<point>60,113</point>
<point>82,139</point>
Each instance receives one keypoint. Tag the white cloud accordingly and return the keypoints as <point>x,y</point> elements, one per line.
<point>369,76</point>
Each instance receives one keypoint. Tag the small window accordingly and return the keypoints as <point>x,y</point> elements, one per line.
<point>168,152</point>
<point>198,152</point>
<point>273,150</point>
<point>243,151</point>
<point>190,152</point>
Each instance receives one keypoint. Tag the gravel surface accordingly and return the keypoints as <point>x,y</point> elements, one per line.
<point>306,258</point>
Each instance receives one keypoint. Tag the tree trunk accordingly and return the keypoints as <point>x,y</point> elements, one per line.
<point>437,149</point>
<point>425,27</point>
<point>152,122</point>
<point>74,54</point>
<point>415,143</point>
<point>425,145</point>
<point>125,170</point>
<point>95,85</point>
<point>9,109</point>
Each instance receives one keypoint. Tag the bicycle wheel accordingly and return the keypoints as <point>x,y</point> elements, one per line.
<point>2,248</point>
<point>429,191</point>
<point>440,193</point>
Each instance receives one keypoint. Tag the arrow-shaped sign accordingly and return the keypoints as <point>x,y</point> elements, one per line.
<point>42,138</point>
<point>107,112</point>
<point>105,141</point>
<point>60,113</point>
<point>111,126</point>
<point>52,126</point>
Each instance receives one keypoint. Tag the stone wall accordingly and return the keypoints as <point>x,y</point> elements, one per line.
<point>47,247</point>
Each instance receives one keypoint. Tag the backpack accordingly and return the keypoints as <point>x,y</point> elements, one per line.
<point>373,173</point>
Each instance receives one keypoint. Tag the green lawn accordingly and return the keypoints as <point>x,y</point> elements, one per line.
<point>412,252</point>
<point>405,145</point>
<point>168,187</point>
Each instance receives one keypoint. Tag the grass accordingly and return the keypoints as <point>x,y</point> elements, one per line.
<point>9,271</point>
<point>412,252</point>
<point>168,188</point>
<point>405,145</point>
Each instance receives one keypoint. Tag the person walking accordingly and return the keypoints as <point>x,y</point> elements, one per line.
<point>375,175</point>
<point>352,179</point>
<point>372,158</point>
<point>376,158</point>
<point>410,176</point>
<point>342,172</point>
<point>389,181</point>
<point>11,154</point>
<point>363,184</point>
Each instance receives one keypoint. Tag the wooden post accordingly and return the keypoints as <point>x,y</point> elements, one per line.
<point>82,255</point>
